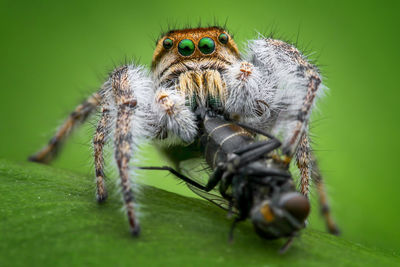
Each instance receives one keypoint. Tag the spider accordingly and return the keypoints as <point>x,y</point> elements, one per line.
<point>272,88</point>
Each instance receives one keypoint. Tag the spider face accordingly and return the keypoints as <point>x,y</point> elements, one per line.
<point>179,51</point>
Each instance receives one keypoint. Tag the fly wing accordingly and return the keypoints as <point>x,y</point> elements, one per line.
<point>212,197</point>
<point>198,170</point>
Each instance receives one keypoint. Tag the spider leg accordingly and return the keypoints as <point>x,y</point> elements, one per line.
<point>243,82</point>
<point>303,115</point>
<point>289,86</point>
<point>174,115</point>
<point>303,161</point>
<point>323,201</point>
<point>78,116</point>
<point>126,103</point>
<point>309,170</point>
<point>100,138</point>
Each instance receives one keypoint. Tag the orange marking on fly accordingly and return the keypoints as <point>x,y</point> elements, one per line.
<point>287,160</point>
<point>267,213</point>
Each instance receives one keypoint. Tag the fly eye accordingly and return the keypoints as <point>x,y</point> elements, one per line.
<point>296,204</point>
<point>223,38</point>
<point>168,43</point>
<point>186,47</point>
<point>206,45</point>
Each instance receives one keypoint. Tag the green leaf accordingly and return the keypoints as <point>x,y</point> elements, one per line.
<point>50,217</point>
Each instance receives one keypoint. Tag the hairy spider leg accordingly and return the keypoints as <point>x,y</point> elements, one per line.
<point>288,85</point>
<point>309,170</point>
<point>123,144</point>
<point>100,138</point>
<point>78,116</point>
<point>303,161</point>
<point>316,177</point>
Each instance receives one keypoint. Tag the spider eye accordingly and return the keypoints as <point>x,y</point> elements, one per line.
<point>168,43</point>
<point>186,47</point>
<point>223,38</point>
<point>206,45</point>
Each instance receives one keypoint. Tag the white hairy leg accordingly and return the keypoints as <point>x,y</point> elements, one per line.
<point>174,115</point>
<point>128,100</point>
<point>244,86</point>
<point>290,86</point>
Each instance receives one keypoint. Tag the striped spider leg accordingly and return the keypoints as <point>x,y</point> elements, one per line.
<point>77,117</point>
<point>275,88</point>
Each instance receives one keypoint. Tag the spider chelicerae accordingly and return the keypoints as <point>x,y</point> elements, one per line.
<point>197,77</point>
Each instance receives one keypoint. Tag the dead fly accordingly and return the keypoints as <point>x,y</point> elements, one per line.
<point>200,90</point>
<point>252,182</point>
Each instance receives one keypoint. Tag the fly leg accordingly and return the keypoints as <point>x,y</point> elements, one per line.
<point>256,152</point>
<point>250,147</point>
<point>235,222</point>
<point>212,182</point>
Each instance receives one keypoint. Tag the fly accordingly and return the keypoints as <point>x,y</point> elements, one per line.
<point>251,182</point>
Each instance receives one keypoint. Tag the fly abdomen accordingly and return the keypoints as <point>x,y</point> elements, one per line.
<point>221,138</point>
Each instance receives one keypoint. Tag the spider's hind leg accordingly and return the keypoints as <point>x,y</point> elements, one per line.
<point>100,138</point>
<point>78,116</point>
<point>123,86</point>
<point>309,169</point>
<point>303,161</point>
<point>323,201</point>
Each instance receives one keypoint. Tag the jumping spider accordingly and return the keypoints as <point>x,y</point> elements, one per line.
<point>272,88</point>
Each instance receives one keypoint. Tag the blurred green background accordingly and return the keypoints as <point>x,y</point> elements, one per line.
<point>54,53</point>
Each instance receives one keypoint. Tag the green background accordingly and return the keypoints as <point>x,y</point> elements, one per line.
<point>53,54</point>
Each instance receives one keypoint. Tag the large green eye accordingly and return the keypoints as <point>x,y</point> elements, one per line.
<point>186,47</point>
<point>206,45</point>
<point>168,43</point>
<point>223,38</point>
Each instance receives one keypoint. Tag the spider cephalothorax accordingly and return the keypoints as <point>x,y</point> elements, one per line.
<point>198,77</point>
<point>192,60</point>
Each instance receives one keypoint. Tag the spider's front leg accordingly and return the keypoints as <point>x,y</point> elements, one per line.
<point>289,85</point>
<point>244,98</point>
<point>174,115</point>
<point>128,104</point>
